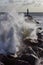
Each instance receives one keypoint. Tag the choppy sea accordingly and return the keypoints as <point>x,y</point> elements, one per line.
<point>38,17</point>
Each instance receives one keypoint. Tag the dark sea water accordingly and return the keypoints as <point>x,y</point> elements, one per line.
<point>36,13</point>
<point>38,17</point>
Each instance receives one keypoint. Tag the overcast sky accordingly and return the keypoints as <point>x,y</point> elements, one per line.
<point>33,5</point>
<point>22,1</point>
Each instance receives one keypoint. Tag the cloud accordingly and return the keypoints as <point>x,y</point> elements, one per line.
<point>2,2</point>
<point>29,2</point>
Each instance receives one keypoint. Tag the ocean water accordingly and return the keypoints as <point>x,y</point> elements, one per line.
<point>37,16</point>
<point>18,24</point>
<point>40,19</point>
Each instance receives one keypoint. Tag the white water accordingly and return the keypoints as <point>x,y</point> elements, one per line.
<point>39,61</point>
<point>17,23</point>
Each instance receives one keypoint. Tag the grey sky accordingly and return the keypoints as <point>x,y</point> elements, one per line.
<point>33,5</point>
<point>22,1</point>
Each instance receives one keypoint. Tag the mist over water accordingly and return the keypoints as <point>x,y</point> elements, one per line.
<point>13,28</point>
<point>15,24</point>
